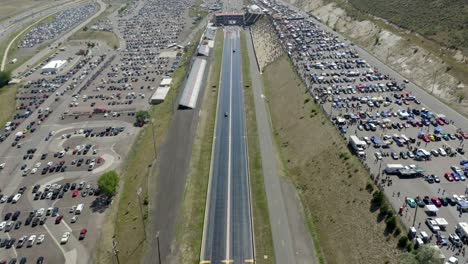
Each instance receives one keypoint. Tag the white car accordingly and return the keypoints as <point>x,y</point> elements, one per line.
<point>452,260</point>
<point>4,199</point>
<point>378,155</point>
<point>34,170</point>
<point>432,224</point>
<point>40,212</point>
<point>2,225</point>
<point>65,238</point>
<point>31,240</point>
<point>49,195</point>
<point>2,166</point>
<point>50,163</point>
<point>37,165</point>
<point>40,239</point>
<point>442,152</point>
<point>74,219</point>
<point>72,209</point>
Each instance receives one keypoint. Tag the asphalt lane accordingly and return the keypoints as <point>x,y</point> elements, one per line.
<point>228,229</point>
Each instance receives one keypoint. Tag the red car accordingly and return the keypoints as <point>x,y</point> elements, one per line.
<point>440,121</point>
<point>464,134</point>
<point>436,201</point>
<point>75,194</point>
<point>449,177</point>
<point>425,138</point>
<point>83,233</point>
<point>58,219</point>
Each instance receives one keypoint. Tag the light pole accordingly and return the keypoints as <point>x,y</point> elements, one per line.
<point>141,211</point>
<point>154,139</point>
<point>115,251</point>
<point>159,251</point>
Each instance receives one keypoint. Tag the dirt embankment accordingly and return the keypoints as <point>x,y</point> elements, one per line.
<point>266,43</point>
<point>423,67</point>
<point>329,180</point>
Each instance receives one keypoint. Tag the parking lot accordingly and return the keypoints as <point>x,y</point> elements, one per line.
<point>74,124</point>
<point>413,147</point>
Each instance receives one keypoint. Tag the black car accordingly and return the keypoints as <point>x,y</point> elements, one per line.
<point>10,243</point>
<point>23,260</point>
<point>35,221</point>
<point>40,260</point>
<point>73,186</point>
<point>451,201</point>
<point>28,220</point>
<point>7,216</point>
<point>427,200</point>
<point>43,156</point>
<point>13,261</point>
<point>35,188</point>
<point>443,201</point>
<point>16,215</point>
<point>4,242</point>
<point>18,224</point>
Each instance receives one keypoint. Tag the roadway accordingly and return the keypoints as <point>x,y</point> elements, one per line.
<point>227,235</point>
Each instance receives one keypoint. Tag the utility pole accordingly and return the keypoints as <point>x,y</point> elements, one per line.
<point>415,213</point>
<point>154,139</point>
<point>115,251</point>
<point>159,251</point>
<point>141,211</point>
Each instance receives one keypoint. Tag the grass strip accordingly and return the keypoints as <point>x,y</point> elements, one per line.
<point>190,228</point>
<point>261,219</point>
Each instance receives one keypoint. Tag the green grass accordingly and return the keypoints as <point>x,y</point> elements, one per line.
<point>443,21</point>
<point>190,228</point>
<point>125,224</point>
<point>262,227</point>
<point>107,37</point>
<point>7,103</point>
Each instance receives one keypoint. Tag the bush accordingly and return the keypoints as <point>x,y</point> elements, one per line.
<point>397,231</point>
<point>391,224</point>
<point>108,183</point>
<point>5,77</point>
<point>402,241</point>
<point>378,198</point>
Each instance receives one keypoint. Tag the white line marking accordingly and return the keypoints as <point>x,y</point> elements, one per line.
<point>228,221</point>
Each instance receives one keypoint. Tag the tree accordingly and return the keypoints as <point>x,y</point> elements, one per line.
<point>5,77</point>
<point>391,223</point>
<point>142,116</point>
<point>424,255</point>
<point>108,183</point>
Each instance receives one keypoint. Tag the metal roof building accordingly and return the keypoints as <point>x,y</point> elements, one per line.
<point>204,50</point>
<point>193,84</point>
<point>159,95</point>
<point>53,66</point>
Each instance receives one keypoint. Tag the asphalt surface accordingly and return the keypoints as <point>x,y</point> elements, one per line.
<point>291,239</point>
<point>228,227</point>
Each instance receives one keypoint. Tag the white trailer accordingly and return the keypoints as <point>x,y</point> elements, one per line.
<point>441,222</point>
<point>393,168</point>
<point>357,145</point>
<point>79,209</point>
<point>462,230</point>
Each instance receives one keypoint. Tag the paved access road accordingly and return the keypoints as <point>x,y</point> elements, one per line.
<point>228,227</point>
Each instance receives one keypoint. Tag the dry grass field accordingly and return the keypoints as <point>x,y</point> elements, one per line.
<point>330,181</point>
